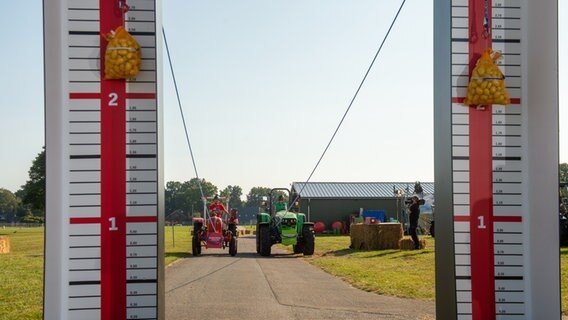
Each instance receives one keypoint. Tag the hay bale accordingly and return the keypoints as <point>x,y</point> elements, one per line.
<point>390,235</point>
<point>408,244</point>
<point>357,235</point>
<point>376,237</point>
<point>4,245</point>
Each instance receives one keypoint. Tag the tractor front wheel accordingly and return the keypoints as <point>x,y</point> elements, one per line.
<point>257,236</point>
<point>308,242</point>
<point>265,243</point>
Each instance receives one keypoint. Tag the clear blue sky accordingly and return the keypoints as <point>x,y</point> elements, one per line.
<point>263,85</point>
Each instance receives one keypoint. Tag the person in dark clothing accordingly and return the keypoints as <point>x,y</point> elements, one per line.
<point>414,213</point>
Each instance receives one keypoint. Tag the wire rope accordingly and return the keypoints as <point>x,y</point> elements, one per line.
<point>350,104</point>
<point>183,119</point>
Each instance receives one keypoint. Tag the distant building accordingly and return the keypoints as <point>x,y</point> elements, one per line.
<point>332,201</point>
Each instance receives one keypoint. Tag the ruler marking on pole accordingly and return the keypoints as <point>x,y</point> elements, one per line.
<point>489,236</point>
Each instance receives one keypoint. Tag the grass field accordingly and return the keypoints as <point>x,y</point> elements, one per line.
<point>21,276</point>
<point>392,272</point>
<point>178,243</point>
<point>564,278</point>
<point>21,271</point>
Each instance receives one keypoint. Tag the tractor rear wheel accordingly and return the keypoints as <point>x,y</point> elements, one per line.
<point>264,239</point>
<point>298,248</point>
<point>308,241</point>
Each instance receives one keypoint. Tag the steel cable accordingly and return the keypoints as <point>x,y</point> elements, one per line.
<point>349,107</point>
<point>183,119</point>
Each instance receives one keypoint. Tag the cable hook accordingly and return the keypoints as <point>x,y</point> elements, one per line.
<point>123,6</point>
<point>486,23</point>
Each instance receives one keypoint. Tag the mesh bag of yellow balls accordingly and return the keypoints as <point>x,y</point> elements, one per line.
<point>487,82</point>
<point>122,55</point>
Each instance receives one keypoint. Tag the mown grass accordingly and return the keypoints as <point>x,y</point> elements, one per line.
<point>21,275</point>
<point>564,279</point>
<point>178,243</point>
<point>398,273</point>
<point>21,271</point>
<point>392,272</point>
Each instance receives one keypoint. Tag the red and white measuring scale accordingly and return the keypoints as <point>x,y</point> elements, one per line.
<point>111,177</point>
<point>488,148</point>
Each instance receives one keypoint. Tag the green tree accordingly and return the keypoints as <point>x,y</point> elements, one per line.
<point>33,192</point>
<point>234,194</point>
<point>563,175</point>
<point>30,218</point>
<point>186,196</point>
<point>255,195</point>
<point>9,204</point>
<point>563,172</point>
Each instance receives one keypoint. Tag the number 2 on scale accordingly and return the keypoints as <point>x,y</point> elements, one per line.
<point>481,224</point>
<point>113,99</point>
<point>113,226</point>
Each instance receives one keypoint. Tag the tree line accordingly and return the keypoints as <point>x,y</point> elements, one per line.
<point>182,199</point>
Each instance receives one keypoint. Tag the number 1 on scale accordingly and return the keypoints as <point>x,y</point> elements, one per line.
<point>481,224</point>
<point>113,226</point>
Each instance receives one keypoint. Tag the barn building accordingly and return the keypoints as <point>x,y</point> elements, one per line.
<point>337,201</point>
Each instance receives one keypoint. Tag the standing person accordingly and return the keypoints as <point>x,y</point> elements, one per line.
<point>414,213</point>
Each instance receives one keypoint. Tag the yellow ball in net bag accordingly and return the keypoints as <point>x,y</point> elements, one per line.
<point>487,82</point>
<point>122,55</point>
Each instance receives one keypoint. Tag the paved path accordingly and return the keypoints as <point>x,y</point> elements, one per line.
<point>247,286</point>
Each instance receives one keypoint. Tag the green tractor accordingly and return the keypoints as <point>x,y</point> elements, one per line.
<point>275,224</point>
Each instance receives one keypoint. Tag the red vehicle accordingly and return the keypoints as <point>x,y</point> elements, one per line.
<point>217,230</point>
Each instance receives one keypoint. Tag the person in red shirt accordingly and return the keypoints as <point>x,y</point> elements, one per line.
<point>217,207</point>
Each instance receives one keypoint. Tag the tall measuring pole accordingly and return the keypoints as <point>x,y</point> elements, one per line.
<point>104,198</point>
<point>497,247</point>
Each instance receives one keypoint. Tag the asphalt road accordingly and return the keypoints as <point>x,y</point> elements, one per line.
<point>283,286</point>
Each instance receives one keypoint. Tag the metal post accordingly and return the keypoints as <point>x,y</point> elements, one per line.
<point>173,236</point>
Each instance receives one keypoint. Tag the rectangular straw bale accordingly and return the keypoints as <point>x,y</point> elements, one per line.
<point>357,234</point>
<point>376,237</point>
<point>390,235</point>
<point>4,245</point>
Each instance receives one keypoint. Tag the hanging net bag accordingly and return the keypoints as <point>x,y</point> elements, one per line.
<point>122,56</point>
<point>487,83</point>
